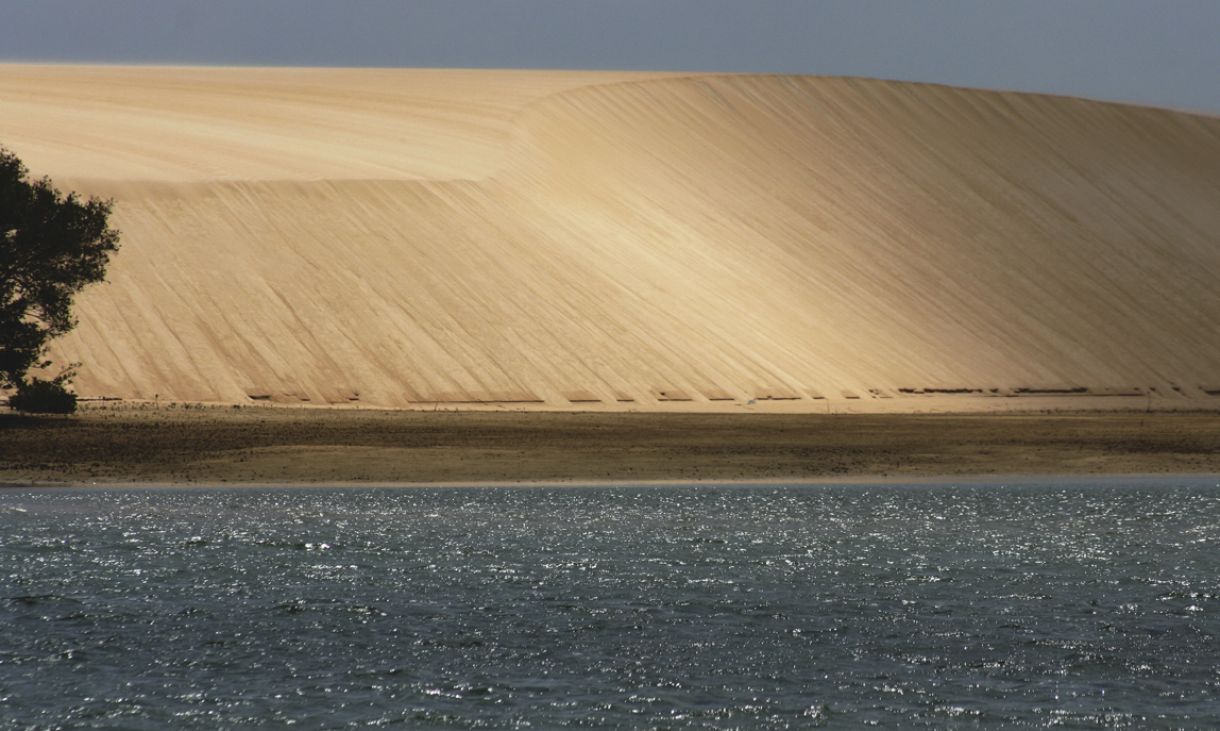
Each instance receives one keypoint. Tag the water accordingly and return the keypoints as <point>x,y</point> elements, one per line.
<point>1077,605</point>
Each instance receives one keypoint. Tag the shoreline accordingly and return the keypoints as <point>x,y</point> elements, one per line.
<point>958,480</point>
<point>274,447</point>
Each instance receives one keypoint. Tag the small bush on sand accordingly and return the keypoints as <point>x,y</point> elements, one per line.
<point>38,396</point>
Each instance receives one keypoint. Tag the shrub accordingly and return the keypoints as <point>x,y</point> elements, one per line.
<point>38,396</point>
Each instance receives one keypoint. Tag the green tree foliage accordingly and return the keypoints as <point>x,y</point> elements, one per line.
<point>51,245</point>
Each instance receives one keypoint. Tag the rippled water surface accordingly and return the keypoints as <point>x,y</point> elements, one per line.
<point>1077,604</point>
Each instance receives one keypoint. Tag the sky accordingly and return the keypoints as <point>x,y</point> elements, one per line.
<point>1159,52</point>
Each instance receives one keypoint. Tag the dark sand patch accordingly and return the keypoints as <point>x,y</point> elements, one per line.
<point>309,446</point>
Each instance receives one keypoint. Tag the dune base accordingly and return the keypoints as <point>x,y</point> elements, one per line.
<point>273,446</point>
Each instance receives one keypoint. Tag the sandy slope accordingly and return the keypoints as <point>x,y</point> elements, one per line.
<point>578,240</point>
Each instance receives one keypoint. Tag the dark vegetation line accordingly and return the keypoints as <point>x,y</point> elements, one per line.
<point>278,445</point>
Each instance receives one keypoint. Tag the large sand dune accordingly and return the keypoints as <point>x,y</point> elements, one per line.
<point>415,238</point>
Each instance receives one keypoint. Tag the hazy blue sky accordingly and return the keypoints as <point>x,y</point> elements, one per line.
<point>1163,52</point>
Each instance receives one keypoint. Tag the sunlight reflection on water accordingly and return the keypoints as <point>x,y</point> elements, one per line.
<point>683,606</point>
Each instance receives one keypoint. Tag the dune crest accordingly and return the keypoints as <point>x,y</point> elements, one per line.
<point>467,239</point>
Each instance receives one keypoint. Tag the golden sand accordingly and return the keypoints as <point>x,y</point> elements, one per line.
<point>575,241</point>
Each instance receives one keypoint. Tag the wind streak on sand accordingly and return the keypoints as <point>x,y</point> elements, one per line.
<point>550,240</point>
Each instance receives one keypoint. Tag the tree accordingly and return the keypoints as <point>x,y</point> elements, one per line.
<point>51,246</point>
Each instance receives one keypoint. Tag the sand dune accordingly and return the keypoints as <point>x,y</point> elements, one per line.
<point>414,238</point>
